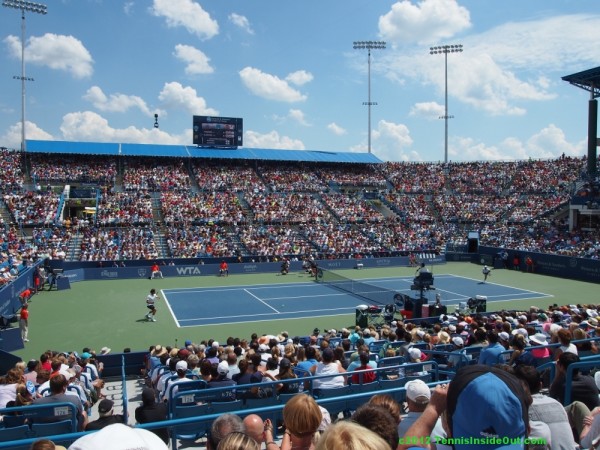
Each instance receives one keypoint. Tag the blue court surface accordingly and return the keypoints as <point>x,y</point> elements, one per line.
<point>225,305</point>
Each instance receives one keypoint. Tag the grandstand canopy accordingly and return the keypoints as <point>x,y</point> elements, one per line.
<point>190,151</point>
<point>588,80</point>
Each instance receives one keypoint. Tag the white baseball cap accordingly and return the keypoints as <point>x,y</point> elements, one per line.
<point>418,391</point>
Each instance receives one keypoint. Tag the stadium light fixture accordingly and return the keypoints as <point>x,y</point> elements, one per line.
<point>37,8</point>
<point>445,49</point>
<point>369,45</point>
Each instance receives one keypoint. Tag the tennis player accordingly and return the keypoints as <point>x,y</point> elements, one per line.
<point>151,305</point>
<point>486,273</point>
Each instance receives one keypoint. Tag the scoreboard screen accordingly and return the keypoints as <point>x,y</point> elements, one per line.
<point>211,131</point>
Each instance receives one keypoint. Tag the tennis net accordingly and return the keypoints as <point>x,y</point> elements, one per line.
<point>361,289</point>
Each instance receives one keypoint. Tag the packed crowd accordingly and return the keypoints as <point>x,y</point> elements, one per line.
<point>124,208</point>
<point>197,241</point>
<point>184,208</point>
<point>47,169</point>
<point>117,244</point>
<point>290,208</point>
<point>499,353</point>
<point>293,178</point>
<point>434,205</point>
<point>156,174</point>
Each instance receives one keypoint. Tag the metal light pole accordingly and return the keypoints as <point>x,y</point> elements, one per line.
<point>445,49</point>
<point>38,8</point>
<point>369,45</point>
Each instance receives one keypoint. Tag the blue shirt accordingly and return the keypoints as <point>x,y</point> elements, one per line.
<point>490,355</point>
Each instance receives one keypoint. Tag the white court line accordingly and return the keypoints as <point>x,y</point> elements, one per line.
<point>270,314</point>
<point>168,304</point>
<point>262,320</point>
<point>252,295</point>
<point>244,286</point>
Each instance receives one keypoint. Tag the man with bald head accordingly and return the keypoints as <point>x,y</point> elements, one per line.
<point>255,428</point>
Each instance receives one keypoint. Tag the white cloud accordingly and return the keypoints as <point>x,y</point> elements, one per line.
<point>176,96</point>
<point>197,62</point>
<point>253,139</point>
<point>336,129</point>
<point>298,116</point>
<point>428,110</point>
<point>187,14</point>
<point>128,7</point>
<point>390,140</point>
<point>241,22</point>
<point>90,126</point>
<point>426,21</point>
<point>549,142</point>
<point>536,45</point>
<point>300,77</point>
<point>116,102</point>
<point>500,69</point>
<point>269,86</point>
<point>12,138</point>
<point>55,51</point>
<point>473,78</point>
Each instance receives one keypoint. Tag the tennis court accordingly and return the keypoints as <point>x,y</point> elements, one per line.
<point>255,303</point>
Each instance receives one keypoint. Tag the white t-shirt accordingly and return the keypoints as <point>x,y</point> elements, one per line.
<point>151,299</point>
<point>328,383</point>
<point>8,392</point>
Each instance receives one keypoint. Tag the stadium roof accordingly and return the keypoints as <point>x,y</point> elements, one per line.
<point>588,80</point>
<point>190,151</point>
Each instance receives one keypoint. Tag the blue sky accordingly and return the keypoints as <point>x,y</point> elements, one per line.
<point>103,68</point>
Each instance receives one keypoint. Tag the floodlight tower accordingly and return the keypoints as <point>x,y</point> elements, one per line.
<point>445,49</point>
<point>38,8</point>
<point>369,45</point>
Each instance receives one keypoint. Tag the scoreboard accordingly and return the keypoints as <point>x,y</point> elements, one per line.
<point>223,132</point>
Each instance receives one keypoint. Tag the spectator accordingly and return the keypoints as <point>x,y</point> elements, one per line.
<point>366,375</point>
<point>219,380</point>
<point>58,388</point>
<point>221,427</point>
<point>388,402</point>
<point>583,387</point>
<point>345,435</point>
<point>151,411</point>
<point>417,398</point>
<point>490,355</point>
<point>255,428</point>
<point>379,420</point>
<point>497,392</point>
<point>547,410</point>
<point>238,441</point>
<point>46,444</point>
<point>107,416</point>
<point>328,367</point>
<point>520,355</point>
<point>302,418</point>
<point>119,437</point>
<point>8,386</point>
<point>564,337</point>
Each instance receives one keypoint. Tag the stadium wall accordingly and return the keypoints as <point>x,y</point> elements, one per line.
<point>186,270</point>
<point>582,269</point>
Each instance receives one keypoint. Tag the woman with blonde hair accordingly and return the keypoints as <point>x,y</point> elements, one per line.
<point>238,441</point>
<point>345,435</point>
<point>302,418</point>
